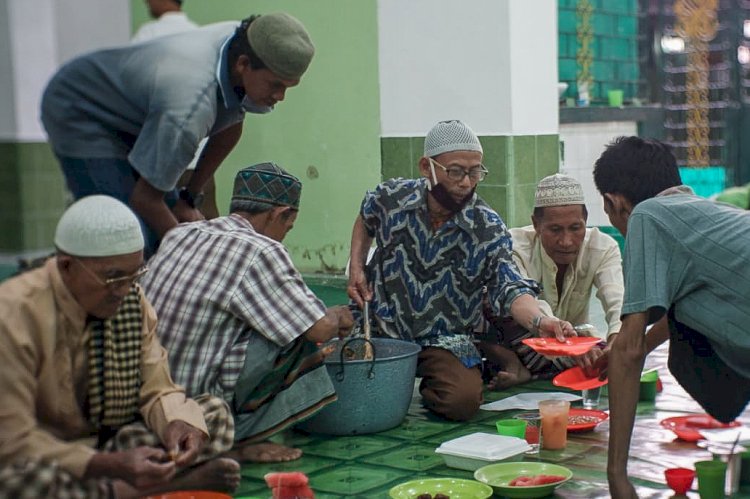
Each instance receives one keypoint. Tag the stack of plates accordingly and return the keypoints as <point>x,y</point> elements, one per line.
<point>473,451</point>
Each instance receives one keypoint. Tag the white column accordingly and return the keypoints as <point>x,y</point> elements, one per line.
<point>35,38</point>
<point>491,63</point>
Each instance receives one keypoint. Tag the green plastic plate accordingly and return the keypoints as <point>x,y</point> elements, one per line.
<point>456,488</point>
<point>499,475</point>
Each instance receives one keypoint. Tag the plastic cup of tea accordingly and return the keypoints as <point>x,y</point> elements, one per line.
<point>554,414</point>
<point>679,479</point>
<point>533,426</point>
<point>511,427</point>
<point>590,397</point>
<point>711,477</point>
<point>647,391</point>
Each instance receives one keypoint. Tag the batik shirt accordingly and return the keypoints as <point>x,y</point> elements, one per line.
<point>428,285</point>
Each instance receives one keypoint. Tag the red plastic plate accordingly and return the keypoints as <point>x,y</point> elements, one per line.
<point>576,345</point>
<point>686,427</point>
<point>575,379</point>
<point>590,413</point>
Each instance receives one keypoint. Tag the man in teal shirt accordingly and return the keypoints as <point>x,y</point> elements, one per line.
<point>686,259</point>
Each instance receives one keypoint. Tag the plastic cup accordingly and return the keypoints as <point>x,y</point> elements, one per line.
<point>511,427</point>
<point>711,476</point>
<point>679,479</point>
<point>745,468</point>
<point>615,97</point>
<point>554,414</point>
<point>591,397</point>
<point>533,427</point>
<point>647,392</point>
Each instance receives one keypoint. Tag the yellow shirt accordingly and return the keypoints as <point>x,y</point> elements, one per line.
<point>598,264</point>
<point>44,371</point>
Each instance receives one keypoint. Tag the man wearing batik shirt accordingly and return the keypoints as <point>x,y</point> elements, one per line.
<point>438,246</point>
<point>237,318</point>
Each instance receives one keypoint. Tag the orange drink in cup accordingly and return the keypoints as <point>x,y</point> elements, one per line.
<point>554,414</point>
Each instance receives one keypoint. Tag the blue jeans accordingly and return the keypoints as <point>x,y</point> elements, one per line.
<point>113,177</point>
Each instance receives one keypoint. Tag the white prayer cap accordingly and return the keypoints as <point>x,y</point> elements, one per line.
<point>558,190</point>
<point>98,226</point>
<point>449,136</point>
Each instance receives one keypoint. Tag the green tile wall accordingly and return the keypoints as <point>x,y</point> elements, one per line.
<point>516,164</point>
<point>32,196</point>
<point>614,47</point>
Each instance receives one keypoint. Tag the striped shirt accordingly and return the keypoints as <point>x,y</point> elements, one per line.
<point>213,285</point>
<point>428,285</point>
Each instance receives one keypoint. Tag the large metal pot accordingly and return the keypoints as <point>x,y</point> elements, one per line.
<point>373,395</point>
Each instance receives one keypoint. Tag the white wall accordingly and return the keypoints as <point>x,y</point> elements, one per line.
<point>491,63</point>
<point>583,144</point>
<point>39,35</point>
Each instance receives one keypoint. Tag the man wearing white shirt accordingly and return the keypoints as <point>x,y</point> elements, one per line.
<point>168,20</point>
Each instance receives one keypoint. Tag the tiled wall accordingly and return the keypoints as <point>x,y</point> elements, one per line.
<point>32,197</point>
<point>516,164</point>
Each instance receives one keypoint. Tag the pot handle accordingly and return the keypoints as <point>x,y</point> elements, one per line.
<point>340,373</point>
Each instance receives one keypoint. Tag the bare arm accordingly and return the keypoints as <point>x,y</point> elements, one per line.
<point>628,352</point>
<point>215,151</point>
<point>148,202</point>
<point>337,321</point>
<point>525,308</point>
<point>358,288</point>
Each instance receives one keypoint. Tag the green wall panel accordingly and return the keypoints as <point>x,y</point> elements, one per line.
<point>33,197</point>
<point>327,130</point>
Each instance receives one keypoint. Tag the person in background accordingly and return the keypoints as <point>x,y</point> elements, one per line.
<point>687,269</point>
<point>169,19</point>
<point>568,260</point>
<point>127,121</point>
<point>438,246</point>
<point>238,319</point>
<point>88,408</point>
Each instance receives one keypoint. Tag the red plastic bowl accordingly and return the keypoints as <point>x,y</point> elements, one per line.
<point>679,479</point>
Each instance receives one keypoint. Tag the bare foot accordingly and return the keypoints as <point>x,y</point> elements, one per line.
<point>263,452</point>
<point>220,475</point>
<point>506,379</point>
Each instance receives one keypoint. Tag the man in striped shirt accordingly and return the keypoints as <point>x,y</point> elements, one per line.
<point>237,318</point>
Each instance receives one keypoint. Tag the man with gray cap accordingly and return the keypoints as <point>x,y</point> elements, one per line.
<point>127,121</point>
<point>568,260</point>
<point>88,408</point>
<point>438,246</point>
<point>238,319</point>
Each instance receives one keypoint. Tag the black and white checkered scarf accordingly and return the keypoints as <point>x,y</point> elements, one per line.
<point>115,365</point>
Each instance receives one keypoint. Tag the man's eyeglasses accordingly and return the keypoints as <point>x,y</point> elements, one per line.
<point>116,282</point>
<point>457,173</point>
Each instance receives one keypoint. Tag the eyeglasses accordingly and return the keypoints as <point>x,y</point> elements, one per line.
<point>457,173</point>
<point>116,282</point>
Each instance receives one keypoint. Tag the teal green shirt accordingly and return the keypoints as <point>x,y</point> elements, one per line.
<point>692,253</point>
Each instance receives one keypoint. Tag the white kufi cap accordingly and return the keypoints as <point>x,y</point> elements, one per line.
<point>449,136</point>
<point>558,190</point>
<point>98,226</point>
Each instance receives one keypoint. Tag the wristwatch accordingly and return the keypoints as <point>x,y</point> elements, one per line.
<point>192,200</point>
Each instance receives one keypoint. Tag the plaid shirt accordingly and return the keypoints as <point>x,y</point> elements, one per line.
<point>215,283</point>
<point>428,285</point>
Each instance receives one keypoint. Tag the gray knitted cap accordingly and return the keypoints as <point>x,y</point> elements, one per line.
<point>449,136</point>
<point>558,190</point>
<point>98,226</point>
<point>282,43</point>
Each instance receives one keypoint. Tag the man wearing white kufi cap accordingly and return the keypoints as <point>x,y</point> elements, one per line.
<point>568,260</point>
<point>438,246</point>
<point>88,408</point>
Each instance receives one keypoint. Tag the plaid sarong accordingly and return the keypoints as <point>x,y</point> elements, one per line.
<point>35,478</point>
<point>115,366</point>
